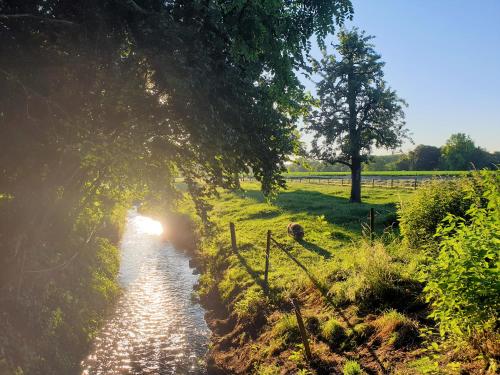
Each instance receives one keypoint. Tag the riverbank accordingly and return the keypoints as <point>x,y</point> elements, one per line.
<point>361,304</point>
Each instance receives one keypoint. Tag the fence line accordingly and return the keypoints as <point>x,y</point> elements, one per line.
<point>270,239</point>
<point>293,300</point>
<point>404,182</point>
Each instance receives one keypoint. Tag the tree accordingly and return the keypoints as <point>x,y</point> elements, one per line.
<point>424,158</point>
<point>459,152</point>
<point>355,110</point>
<point>106,102</point>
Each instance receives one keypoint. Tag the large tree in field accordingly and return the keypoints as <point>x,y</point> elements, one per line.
<point>355,110</point>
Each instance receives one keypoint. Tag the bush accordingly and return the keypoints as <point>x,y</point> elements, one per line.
<point>420,215</point>
<point>463,279</point>
<point>352,368</point>
<point>397,329</point>
<point>371,277</point>
<point>333,332</point>
<point>286,329</point>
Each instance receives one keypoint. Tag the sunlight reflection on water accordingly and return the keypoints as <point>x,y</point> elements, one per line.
<point>156,327</point>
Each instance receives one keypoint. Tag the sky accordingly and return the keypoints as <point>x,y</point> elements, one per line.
<point>443,58</point>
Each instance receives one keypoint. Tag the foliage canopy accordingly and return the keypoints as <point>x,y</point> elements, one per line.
<point>103,103</point>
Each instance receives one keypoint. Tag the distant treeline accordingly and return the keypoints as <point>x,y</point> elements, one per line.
<point>458,154</point>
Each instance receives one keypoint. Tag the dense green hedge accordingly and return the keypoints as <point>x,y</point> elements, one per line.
<point>420,216</point>
<point>463,280</point>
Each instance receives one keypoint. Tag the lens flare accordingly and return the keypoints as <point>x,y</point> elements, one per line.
<point>147,225</point>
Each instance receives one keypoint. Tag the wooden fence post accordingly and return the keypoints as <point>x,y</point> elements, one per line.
<point>392,182</point>
<point>415,183</point>
<point>372,224</point>
<point>233,236</point>
<point>302,329</point>
<point>266,271</point>
<point>373,182</point>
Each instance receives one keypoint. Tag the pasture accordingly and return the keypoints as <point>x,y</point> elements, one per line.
<point>361,298</point>
<point>334,265</point>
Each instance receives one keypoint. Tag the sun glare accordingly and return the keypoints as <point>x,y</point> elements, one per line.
<point>147,225</point>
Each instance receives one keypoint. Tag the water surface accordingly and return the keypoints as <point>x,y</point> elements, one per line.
<point>156,328</point>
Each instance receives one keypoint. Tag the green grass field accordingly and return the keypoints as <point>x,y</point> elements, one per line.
<point>331,223</point>
<point>362,301</point>
<point>338,276</point>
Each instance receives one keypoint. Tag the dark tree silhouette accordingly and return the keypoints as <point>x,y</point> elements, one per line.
<point>424,158</point>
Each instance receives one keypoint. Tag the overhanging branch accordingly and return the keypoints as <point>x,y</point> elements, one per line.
<point>333,161</point>
<point>39,18</point>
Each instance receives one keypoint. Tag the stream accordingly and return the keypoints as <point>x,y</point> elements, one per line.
<point>156,326</point>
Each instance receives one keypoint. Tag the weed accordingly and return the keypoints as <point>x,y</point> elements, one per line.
<point>397,329</point>
<point>266,369</point>
<point>352,368</point>
<point>252,303</point>
<point>333,332</point>
<point>286,329</point>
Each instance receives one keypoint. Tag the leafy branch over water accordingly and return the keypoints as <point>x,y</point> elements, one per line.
<point>103,104</point>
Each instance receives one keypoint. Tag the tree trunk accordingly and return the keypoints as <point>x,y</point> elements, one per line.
<point>356,182</point>
<point>237,181</point>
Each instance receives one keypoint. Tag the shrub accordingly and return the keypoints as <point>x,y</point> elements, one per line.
<point>371,277</point>
<point>463,279</point>
<point>397,329</point>
<point>352,368</point>
<point>420,215</point>
<point>287,329</point>
<point>333,332</point>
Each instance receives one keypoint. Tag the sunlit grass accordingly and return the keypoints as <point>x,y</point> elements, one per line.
<point>332,225</point>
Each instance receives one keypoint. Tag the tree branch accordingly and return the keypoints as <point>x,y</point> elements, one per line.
<point>136,7</point>
<point>333,161</point>
<point>35,17</point>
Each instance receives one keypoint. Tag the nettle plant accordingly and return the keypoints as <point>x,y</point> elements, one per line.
<point>463,282</point>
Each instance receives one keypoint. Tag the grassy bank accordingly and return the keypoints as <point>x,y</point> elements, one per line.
<point>361,303</point>
<point>339,281</point>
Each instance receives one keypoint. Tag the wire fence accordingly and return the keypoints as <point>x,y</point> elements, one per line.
<point>400,182</point>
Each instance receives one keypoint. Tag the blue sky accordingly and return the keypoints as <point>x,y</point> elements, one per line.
<point>443,58</point>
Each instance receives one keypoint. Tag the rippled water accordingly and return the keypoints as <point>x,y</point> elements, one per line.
<point>156,327</point>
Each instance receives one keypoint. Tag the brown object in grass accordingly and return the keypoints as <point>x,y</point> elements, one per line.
<point>296,231</point>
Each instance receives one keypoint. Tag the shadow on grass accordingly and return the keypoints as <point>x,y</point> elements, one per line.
<point>324,292</point>
<point>263,215</point>
<point>254,274</point>
<point>315,249</point>
<point>336,210</point>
